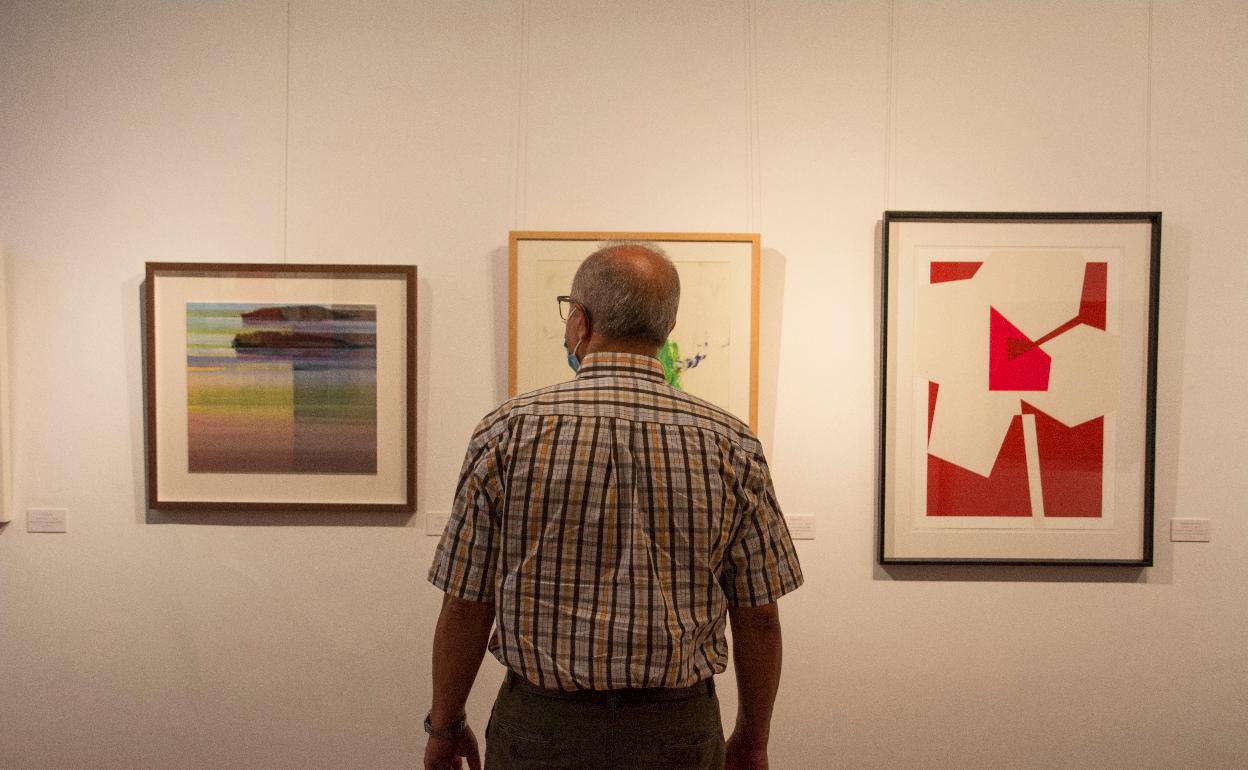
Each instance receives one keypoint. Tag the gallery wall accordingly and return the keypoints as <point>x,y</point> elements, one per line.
<point>420,133</point>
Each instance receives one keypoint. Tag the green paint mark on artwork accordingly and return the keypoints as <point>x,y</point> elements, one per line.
<point>669,356</point>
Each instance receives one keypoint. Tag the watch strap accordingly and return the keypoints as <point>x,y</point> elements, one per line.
<point>446,733</point>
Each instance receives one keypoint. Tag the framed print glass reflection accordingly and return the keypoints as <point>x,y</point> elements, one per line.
<point>713,349</point>
<point>1018,387</point>
<point>280,387</point>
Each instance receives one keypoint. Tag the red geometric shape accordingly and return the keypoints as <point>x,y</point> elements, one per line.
<point>942,272</point>
<point>1071,465</point>
<point>1095,287</point>
<point>1015,347</point>
<point>1014,361</point>
<point>1091,302</point>
<point>932,390</point>
<point>955,491</point>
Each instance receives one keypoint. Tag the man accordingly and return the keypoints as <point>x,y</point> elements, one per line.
<point>606,526</point>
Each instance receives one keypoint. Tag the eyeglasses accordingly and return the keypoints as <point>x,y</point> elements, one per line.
<point>565,306</point>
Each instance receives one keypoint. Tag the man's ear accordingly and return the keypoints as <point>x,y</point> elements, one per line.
<point>587,326</point>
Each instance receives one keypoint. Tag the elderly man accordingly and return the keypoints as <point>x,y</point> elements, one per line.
<point>605,527</point>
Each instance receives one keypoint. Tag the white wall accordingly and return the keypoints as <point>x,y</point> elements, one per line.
<point>420,133</point>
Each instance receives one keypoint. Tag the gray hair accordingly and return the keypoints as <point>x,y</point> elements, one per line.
<point>629,297</point>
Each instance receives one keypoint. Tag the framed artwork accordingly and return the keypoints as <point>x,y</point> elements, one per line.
<point>713,350</point>
<point>280,387</point>
<point>6,460</point>
<point>1018,387</point>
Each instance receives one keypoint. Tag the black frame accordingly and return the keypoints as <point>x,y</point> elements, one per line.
<point>1154,220</point>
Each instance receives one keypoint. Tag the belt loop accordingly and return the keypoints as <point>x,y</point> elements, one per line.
<point>710,687</point>
<point>510,681</point>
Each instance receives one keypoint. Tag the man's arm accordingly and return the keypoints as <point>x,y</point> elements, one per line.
<point>756,654</point>
<point>458,646</point>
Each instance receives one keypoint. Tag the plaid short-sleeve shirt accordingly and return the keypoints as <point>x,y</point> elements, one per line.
<point>612,520</point>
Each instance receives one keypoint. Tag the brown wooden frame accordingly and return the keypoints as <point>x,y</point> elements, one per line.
<point>658,237</point>
<point>156,270</point>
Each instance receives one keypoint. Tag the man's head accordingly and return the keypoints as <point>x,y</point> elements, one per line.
<point>628,294</point>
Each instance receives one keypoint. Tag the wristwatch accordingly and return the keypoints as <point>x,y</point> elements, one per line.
<point>449,732</point>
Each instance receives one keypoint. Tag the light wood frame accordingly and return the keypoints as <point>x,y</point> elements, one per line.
<point>590,241</point>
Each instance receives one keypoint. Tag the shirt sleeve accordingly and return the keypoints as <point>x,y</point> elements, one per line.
<point>760,564</point>
<point>466,561</point>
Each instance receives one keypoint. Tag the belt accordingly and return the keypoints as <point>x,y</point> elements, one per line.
<point>633,696</point>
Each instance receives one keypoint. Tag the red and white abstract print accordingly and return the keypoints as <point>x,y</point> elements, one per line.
<point>1016,360</point>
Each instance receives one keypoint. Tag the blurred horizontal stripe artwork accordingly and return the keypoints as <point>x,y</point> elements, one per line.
<point>281,388</point>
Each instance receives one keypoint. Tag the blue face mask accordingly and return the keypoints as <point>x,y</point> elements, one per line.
<point>574,363</point>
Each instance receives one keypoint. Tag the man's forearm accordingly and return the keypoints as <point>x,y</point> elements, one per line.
<point>757,655</point>
<point>458,646</point>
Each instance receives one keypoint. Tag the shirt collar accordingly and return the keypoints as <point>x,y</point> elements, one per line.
<point>607,364</point>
